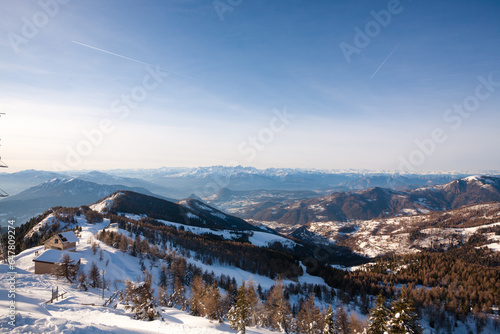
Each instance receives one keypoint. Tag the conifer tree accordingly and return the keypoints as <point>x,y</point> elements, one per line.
<point>278,309</point>
<point>212,302</point>
<point>309,317</point>
<point>178,297</point>
<point>163,275</point>
<point>66,268</point>
<point>82,279</point>
<point>163,298</point>
<point>94,276</point>
<point>252,299</point>
<point>94,247</point>
<point>403,316</point>
<point>240,313</point>
<point>329,322</point>
<point>139,298</point>
<point>197,293</point>
<point>378,317</point>
<point>342,324</point>
<point>123,243</point>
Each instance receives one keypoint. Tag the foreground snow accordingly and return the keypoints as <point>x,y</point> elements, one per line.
<point>70,315</point>
<point>82,311</point>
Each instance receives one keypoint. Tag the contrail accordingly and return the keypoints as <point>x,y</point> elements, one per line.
<point>390,54</point>
<point>131,59</point>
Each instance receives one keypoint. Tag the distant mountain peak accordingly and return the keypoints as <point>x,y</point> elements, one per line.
<point>188,211</point>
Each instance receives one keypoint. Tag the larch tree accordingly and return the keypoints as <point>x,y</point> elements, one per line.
<point>309,317</point>
<point>212,302</point>
<point>197,293</point>
<point>253,300</point>
<point>178,297</point>
<point>66,268</point>
<point>342,324</point>
<point>278,309</point>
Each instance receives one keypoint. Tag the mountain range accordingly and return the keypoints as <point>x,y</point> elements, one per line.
<point>374,203</point>
<point>206,181</point>
<point>70,192</point>
<point>280,198</point>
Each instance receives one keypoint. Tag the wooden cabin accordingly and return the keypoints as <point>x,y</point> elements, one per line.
<point>46,262</point>
<point>64,241</point>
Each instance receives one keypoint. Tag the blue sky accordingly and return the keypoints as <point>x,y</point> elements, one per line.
<point>233,67</point>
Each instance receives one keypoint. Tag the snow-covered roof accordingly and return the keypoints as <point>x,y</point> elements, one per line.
<point>54,255</point>
<point>68,236</point>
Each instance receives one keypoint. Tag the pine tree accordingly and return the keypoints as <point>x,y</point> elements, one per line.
<point>309,317</point>
<point>94,276</point>
<point>329,322</point>
<point>403,316</point>
<point>378,317</point>
<point>139,298</point>
<point>163,275</point>
<point>240,313</point>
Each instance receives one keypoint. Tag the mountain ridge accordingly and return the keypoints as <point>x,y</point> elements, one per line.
<point>380,203</point>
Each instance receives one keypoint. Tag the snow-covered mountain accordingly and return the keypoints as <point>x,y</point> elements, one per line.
<point>375,203</point>
<point>67,192</point>
<point>189,211</point>
<point>206,181</point>
<point>402,235</point>
<point>14,183</point>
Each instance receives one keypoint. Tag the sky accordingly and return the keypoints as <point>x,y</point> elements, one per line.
<point>394,85</point>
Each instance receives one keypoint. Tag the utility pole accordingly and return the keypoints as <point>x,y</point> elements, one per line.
<point>102,273</point>
<point>3,247</point>
<point>2,165</point>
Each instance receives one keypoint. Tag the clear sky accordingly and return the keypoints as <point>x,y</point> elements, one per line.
<point>317,84</point>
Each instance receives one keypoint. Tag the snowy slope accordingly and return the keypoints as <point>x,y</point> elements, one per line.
<point>70,315</point>
<point>82,311</point>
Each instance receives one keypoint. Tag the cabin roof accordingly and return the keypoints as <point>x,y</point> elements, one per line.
<point>54,255</point>
<point>68,236</point>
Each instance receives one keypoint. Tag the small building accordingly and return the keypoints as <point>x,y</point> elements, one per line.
<point>46,262</point>
<point>62,241</point>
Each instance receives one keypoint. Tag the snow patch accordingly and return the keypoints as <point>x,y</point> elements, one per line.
<point>105,204</point>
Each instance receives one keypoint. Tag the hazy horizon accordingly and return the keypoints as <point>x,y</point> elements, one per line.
<point>319,170</point>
